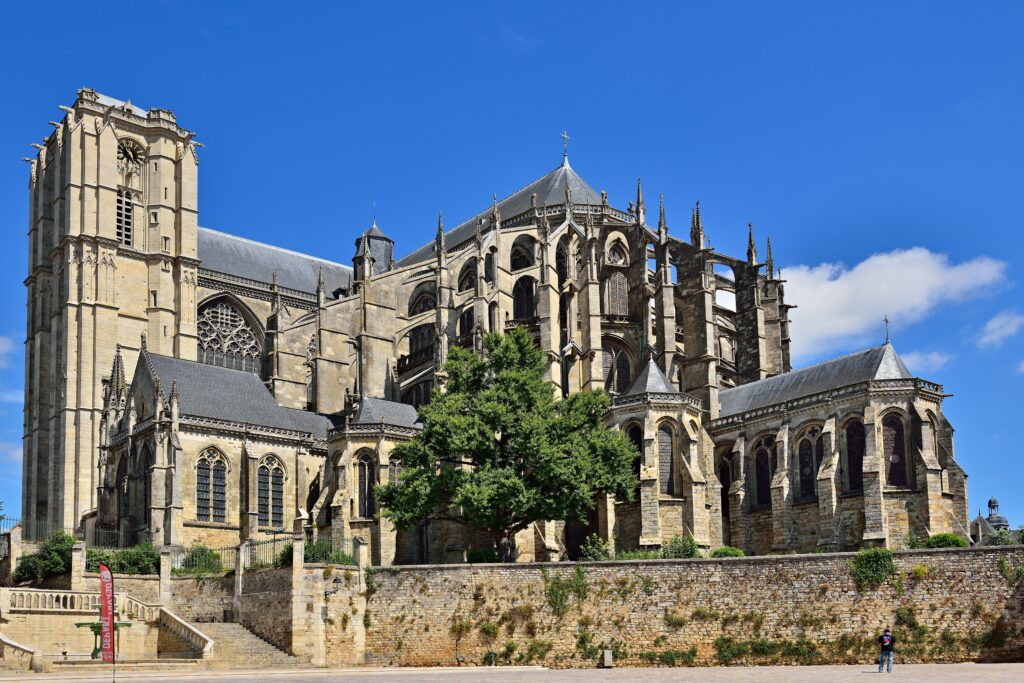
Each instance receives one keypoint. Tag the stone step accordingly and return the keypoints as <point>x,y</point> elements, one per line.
<point>237,647</point>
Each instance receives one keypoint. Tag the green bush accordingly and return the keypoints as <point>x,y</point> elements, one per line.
<point>139,559</point>
<point>1001,537</point>
<point>945,540</point>
<point>728,649</point>
<point>871,567</point>
<point>727,551</point>
<point>595,549</point>
<point>638,555</point>
<point>321,550</point>
<point>284,558</point>
<point>53,559</point>
<point>680,547</point>
<point>482,556</point>
<point>201,560</point>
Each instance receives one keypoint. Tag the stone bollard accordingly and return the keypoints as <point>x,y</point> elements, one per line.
<point>361,550</point>
<point>78,566</point>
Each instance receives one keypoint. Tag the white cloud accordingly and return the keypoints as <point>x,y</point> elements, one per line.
<point>10,451</point>
<point>840,306</point>
<point>1001,327</point>
<point>7,346</point>
<point>926,361</point>
<point>1020,368</point>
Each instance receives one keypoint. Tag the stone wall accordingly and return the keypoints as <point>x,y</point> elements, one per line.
<point>51,635</point>
<point>265,605</point>
<point>945,605</point>
<point>202,599</point>
<point>143,588</point>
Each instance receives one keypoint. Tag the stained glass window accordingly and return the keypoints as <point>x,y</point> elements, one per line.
<point>226,338</point>
<point>807,471</point>
<point>264,495</point>
<point>277,490</point>
<point>203,490</point>
<point>366,479</point>
<point>523,305</point>
<point>617,294</point>
<point>666,461</point>
<point>855,456</point>
<point>894,451</point>
<point>219,490</point>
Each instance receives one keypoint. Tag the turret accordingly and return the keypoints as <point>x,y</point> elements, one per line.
<point>381,251</point>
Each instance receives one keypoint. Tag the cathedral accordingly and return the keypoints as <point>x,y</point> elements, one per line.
<point>186,386</point>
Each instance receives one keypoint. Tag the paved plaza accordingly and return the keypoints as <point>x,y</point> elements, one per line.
<point>916,673</point>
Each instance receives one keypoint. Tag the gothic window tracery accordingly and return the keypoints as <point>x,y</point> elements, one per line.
<point>617,294</point>
<point>366,478</point>
<point>810,453</point>
<point>764,456</point>
<point>226,339</point>
<point>523,298</point>
<point>521,255</point>
<point>467,277</point>
<point>894,451</point>
<point>855,456</point>
<point>270,492</point>
<point>422,303</point>
<point>636,437</point>
<point>617,370</point>
<point>617,255</point>
<point>211,486</point>
<point>666,460</point>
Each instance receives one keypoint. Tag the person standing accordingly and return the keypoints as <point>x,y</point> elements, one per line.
<point>886,642</point>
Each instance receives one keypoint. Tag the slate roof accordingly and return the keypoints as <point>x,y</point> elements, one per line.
<point>236,395</point>
<point>880,362</point>
<point>373,410</point>
<point>651,380</point>
<point>550,190</point>
<point>241,257</point>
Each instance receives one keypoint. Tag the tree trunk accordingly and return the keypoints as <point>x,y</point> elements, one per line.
<point>507,547</point>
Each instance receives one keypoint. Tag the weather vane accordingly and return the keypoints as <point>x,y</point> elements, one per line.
<point>565,143</point>
<point>886,320</point>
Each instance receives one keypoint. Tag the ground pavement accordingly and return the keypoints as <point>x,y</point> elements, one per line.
<point>915,673</point>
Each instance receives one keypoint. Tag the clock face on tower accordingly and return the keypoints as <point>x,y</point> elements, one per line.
<point>129,153</point>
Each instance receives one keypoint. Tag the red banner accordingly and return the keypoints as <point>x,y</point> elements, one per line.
<point>107,614</point>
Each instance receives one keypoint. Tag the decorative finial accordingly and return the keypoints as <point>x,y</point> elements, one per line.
<point>320,275</point>
<point>174,390</point>
<point>142,341</point>
<point>886,321</point>
<point>533,200</point>
<point>661,212</point>
<point>641,213</point>
<point>751,247</point>
<point>769,261</point>
<point>565,148</point>
<point>496,213</point>
<point>440,234</point>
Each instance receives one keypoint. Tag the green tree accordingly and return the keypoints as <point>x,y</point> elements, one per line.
<point>497,452</point>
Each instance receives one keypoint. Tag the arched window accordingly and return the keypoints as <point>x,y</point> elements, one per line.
<point>467,276</point>
<point>492,317</point>
<point>636,437</point>
<point>211,486</point>
<point>394,471</point>
<point>423,302</point>
<point>418,394</point>
<point>227,339</point>
<point>522,253</point>
<point>421,337</point>
<point>489,267</point>
<point>617,294</point>
<point>561,266</point>
<point>123,508</point>
<point>805,461</point>
<point>145,479</point>
<point>366,477</point>
<point>617,370</point>
<point>617,255</point>
<point>855,456</point>
<point>270,492</point>
<point>666,461</point>
<point>466,323</point>
<point>894,451</point>
<point>523,299</point>
<point>763,457</point>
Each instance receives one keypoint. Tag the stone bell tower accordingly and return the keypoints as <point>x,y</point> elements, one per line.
<point>112,258</point>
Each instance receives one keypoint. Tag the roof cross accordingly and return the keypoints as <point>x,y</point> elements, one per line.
<point>886,320</point>
<point>565,144</point>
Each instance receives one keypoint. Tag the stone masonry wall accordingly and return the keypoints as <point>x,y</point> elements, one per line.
<point>945,605</point>
<point>265,605</point>
<point>202,599</point>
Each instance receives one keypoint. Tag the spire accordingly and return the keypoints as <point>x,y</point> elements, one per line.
<point>751,247</point>
<point>769,261</point>
<point>641,211</point>
<point>439,248</point>
<point>662,223</point>
<point>366,265</point>
<point>696,227</point>
<point>565,149</point>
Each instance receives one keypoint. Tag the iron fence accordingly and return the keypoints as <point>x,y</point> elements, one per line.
<point>200,559</point>
<point>277,552</point>
<point>329,549</point>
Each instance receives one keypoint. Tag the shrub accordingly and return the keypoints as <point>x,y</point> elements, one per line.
<point>321,550</point>
<point>728,649</point>
<point>139,559</point>
<point>946,540</point>
<point>53,559</point>
<point>727,551</point>
<point>638,555</point>
<point>558,588</point>
<point>680,547</point>
<point>676,657</point>
<point>1001,537</point>
<point>674,620</point>
<point>595,549</point>
<point>871,567</point>
<point>764,648</point>
<point>482,555</point>
<point>284,558</point>
<point>919,572</point>
<point>905,617</point>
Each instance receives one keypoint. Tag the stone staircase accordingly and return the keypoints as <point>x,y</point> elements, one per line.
<point>235,647</point>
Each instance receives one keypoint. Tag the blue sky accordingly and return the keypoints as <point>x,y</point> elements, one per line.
<point>878,143</point>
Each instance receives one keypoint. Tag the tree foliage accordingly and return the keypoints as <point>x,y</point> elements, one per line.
<point>497,452</point>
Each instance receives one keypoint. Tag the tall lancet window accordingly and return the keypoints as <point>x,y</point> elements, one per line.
<point>211,486</point>
<point>227,338</point>
<point>270,492</point>
<point>125,217</point>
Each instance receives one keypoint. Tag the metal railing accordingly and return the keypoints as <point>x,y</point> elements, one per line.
<point>276,552</point>
<point>200,559</point>
<point>329,549</point>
